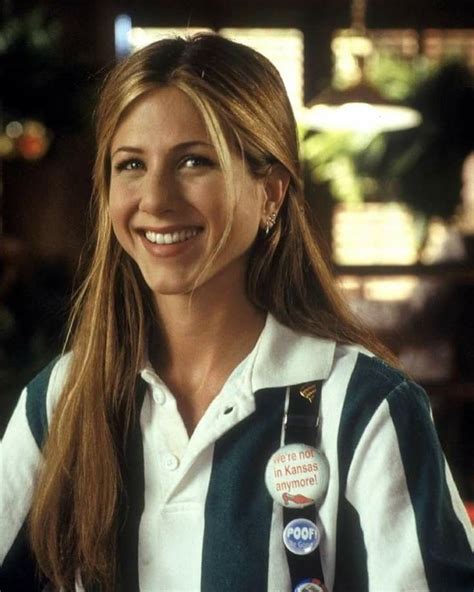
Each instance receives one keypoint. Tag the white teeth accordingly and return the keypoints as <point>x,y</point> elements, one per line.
<point>170,238</point>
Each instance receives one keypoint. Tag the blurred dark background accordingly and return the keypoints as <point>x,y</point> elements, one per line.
<point>53,55</point>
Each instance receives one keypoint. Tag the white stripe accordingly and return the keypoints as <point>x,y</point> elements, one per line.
<point>19,463</point>
<point>459,507</point>
<point>56,384</point>
<point>377,489</point>
<point>332,402</point>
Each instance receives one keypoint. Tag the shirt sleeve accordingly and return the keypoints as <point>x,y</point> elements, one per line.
<point>20,460</point>
<point>415,530</point>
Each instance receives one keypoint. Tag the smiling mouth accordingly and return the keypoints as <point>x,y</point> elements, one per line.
<point>171,238</point>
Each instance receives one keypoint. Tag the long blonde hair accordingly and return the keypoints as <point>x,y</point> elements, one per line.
<point>241,97</point>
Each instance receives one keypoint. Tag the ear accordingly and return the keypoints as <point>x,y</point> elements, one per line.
<point>275,187</point>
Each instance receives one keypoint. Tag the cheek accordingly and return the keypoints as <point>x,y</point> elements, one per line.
<point>251,212</point>
<point>244,229</point>
<point>120,217</point>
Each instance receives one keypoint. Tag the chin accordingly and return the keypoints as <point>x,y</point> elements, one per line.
<point>169,287</point>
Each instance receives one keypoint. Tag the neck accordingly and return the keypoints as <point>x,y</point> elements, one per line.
<point>202,338</point>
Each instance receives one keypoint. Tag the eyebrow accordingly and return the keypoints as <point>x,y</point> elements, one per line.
<point>177,147</point>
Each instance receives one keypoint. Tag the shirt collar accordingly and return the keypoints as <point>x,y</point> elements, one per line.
<point>281,357</point>
<point>285,357</point>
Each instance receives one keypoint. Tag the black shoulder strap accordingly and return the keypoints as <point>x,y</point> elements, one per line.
<point>301,426</point>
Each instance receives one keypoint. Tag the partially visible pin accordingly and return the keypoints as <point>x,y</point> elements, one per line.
<point>308,392</point>
<point>310,585</point>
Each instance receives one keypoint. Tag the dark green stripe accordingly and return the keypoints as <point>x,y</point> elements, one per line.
<point>447,557</point>
<point>132,502</point>
<point>351,555</point>
<point>370,383</point>
<point>19,570</point>
<point>36,404</point>
<point>238,509</point>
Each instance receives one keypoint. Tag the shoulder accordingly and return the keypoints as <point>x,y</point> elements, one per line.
<point>387,457</point>
<point>355,382</point>
<point>20,462</point>
<point>364,397</point>
<point>381,415</point>
<point>371,382</point>
<point>367,384</point>
<point>42,394</point>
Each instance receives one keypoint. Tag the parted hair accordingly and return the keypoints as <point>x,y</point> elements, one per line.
<point>242,99</point>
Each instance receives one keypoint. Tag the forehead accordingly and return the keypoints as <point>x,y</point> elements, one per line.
<point>164,115</point>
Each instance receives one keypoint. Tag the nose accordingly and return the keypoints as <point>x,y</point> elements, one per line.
<point>158,192</point>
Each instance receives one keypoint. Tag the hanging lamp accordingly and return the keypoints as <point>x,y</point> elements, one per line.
<point>359,106</point>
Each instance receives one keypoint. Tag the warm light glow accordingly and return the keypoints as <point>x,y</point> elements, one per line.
<point>347,41</point>
<point>390,289</point>
<point>352,103</point>
<point>439,44</point>
<point>361,117</point>
<point>347,47</point>
<point>374,234</point>
<point>140,36</point>
<point>284,48</point>
<point>361,291</point>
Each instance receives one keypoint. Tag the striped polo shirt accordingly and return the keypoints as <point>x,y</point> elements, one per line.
<point>199,515</point>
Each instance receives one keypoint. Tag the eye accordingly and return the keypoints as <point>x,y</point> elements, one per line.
<point>194,161</point>
<point>130,164</point>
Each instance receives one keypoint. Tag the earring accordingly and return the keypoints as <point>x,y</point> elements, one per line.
<point>270,222</point>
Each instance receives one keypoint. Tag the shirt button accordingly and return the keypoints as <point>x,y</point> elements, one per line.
<point>171,462</point>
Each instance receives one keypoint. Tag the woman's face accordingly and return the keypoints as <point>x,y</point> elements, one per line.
<point>168,202</point>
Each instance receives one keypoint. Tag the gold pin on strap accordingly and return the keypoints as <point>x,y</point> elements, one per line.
<point>308,392</point>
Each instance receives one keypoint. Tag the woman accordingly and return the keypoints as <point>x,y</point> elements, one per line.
<point>203,341</point>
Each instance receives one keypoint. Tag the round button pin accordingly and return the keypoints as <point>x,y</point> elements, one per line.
<point>310,585</point>
<point>301,536</point>
<point>297,475</point>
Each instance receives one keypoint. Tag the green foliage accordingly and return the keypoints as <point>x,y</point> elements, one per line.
<point>421,166</point>
<point>426,162</point>
<point>332,157</point>
<point>396,77</point>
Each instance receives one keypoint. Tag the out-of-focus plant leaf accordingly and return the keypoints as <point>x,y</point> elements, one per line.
<point>332,159</point>
<point>396,77</point>
<point>420,166</point>
<point>426,162</point>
